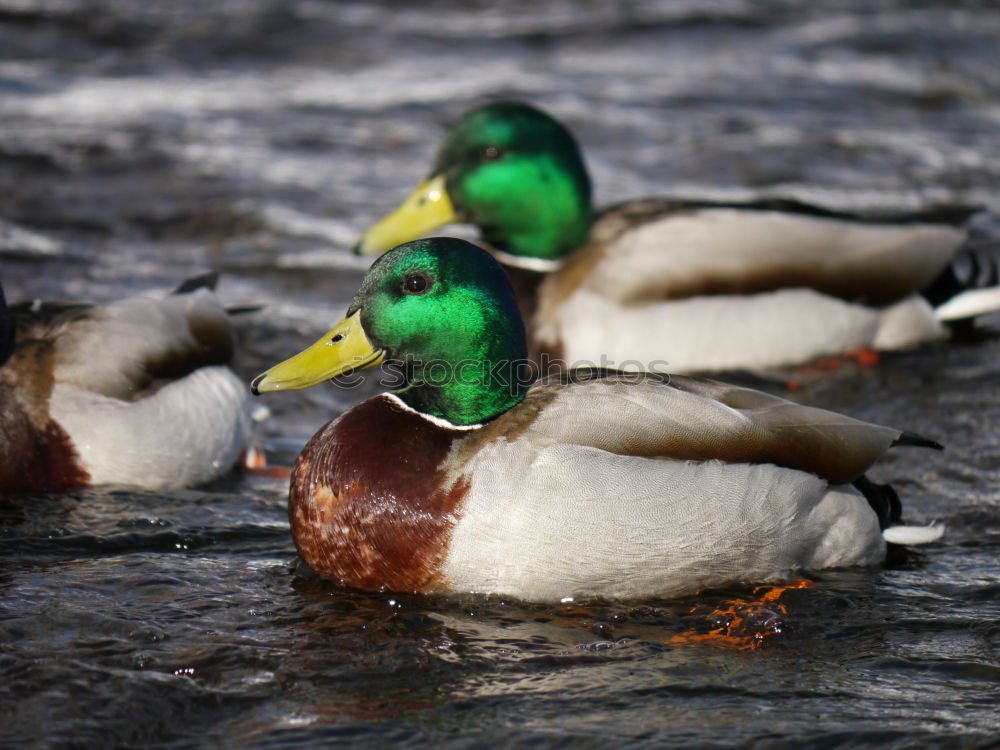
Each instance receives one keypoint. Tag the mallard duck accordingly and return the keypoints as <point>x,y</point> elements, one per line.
<point>469,477</point>
<point>135,393</point>
<point>6,330</point>
<point>701,286</point>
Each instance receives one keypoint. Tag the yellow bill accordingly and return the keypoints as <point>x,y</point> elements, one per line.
<point>427,208</point>
<point>343,349</point>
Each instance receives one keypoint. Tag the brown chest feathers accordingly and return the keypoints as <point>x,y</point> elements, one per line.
<point>35,452</point>
<point>368,503</point>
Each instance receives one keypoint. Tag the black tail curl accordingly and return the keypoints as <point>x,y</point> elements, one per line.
<point>884,501</point>
<point>977,266</point>
<point>912,438</point>
<point>207,280</point>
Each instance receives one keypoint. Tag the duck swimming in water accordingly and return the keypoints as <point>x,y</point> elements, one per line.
<point>702,286</point>
<point>136,392</point>
<point>469,477</point>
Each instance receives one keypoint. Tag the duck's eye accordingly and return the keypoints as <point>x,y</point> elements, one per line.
<point>492,153</point>
<point>416,283</point>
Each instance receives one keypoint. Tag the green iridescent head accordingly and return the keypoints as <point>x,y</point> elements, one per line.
<point>443,311</point>
<point>511,170</point>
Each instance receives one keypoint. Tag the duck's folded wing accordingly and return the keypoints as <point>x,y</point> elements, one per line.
<point>697,419</point>
<point>119,350</point>
<point>692,252</point>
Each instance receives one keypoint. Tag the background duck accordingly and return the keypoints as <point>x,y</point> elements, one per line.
<point>136,392</point>
<point>702,286</point>
<point>469,478</point>
<point>6,330</point>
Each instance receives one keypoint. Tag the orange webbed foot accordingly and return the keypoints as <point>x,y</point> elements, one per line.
<point>253,461</point>
<point>744,625</point>
<point>862,358</point>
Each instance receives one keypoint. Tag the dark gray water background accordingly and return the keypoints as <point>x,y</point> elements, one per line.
<point>144,141</point>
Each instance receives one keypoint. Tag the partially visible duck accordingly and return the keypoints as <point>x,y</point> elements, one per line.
<point>592,483</point>
<point>698,285</point>
<point>137,392</point>
<point>6,330</point>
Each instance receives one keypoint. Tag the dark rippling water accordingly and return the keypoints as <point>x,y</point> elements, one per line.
<point>141,142</point>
